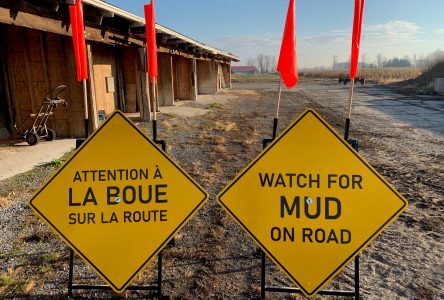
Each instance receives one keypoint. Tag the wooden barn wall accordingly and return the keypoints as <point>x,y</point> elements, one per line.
<point>37,62</point>
<point>226,69</point>
<point>104,60</point>
<point>130,70</point>
<point>165,80</point>
<point>6,115</point>
<point>183,69</point>
<point>206,77</point>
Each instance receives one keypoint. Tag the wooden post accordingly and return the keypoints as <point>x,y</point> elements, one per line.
<point>350,107</point>
<point>278,101</point>
<point>143,95</point>
<point>120,80</point>
<point>154,82</point>
<point>193,79</point>
<point>85,103</point>
<point>92,105</point>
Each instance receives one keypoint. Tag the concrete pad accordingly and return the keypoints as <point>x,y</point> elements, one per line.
<point>199,107</point>
<point>181,109</point>
<point>19,157</point>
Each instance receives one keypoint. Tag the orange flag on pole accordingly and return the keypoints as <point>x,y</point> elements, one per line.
<point>356,38</point>
<point>287,64</point>
<point>150,22</point>
<point>78,38</point>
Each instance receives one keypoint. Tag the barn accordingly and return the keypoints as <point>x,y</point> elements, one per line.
<point>244,70</point>
<point>36,55</point>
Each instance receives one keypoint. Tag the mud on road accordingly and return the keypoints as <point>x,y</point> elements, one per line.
<point>213,258</point>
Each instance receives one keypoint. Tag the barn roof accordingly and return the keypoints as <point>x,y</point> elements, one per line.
<point>102,16</point>
<point>167,36</point>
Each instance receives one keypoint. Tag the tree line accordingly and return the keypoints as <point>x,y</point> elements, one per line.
<point>264,63</point>
<point>267,63</point>
<point>380,61</point>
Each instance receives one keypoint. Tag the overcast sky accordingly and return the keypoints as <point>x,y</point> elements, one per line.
<point>248,28</point>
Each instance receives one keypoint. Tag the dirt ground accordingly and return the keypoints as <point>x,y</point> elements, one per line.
<point>401,136</point>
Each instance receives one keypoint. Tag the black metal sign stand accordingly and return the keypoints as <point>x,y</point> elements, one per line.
<point>155,287</point>
<point>277,289</point>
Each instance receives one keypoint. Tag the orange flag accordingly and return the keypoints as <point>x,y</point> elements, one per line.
<point>78,38</point>
<point>356,38</point>
<point>151,44</point>
<point>287,64</point>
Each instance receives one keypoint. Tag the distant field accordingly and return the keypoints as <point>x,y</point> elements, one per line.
<point>256,77</point>
<point>379,75</point>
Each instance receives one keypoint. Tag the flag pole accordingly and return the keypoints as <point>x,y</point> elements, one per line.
<point>278,103</point>
<point>354,59</point>
<point>154,80</point>
<point>85,101</point>
<point>349,114</point>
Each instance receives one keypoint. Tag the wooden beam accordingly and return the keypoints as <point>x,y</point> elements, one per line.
<point>16,6</point>
<point>97,15</point>
<point>136,24</point>
<point>94,12</point>
<point>68,2</point>
<point>136,28</point>
<point>163,38</point>
<point>175,42</point>
<point>37,22</point>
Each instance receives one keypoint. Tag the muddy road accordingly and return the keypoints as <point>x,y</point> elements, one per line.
<point>401,136</point>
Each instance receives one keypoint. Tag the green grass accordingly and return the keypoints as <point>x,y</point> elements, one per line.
<point>10,283</point>
<point>170,115</point>
<point>215,106</point>
<point>56,163</point>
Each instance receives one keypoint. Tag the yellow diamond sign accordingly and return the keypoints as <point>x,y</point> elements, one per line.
<point>311,202</point>
<point>118,201</point>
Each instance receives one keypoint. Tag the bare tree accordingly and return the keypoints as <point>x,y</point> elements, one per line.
<point>260,63</point>
<point>379,60</point>
<point>273,64</point>
<point>250,62</point>
<point>363,60</point>
<point>335,62</point>
<point>267,63</point>
<point>407,58</point>
<point>436,56</point>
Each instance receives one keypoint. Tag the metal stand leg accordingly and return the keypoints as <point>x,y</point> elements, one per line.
<point>357,294</point>
<point>154,130</point>
<point>263,271</point>
<point>71,271</point>
<point>159,275</point>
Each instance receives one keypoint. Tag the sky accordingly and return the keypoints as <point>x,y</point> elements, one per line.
<point>248,28</point>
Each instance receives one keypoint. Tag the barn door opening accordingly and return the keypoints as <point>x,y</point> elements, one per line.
<point>5,100</point>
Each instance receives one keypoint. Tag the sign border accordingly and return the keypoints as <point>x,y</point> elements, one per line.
<point>360,248</point>
<point>163,244</point>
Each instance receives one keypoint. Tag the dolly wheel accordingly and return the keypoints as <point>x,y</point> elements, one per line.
<point>32,138</point>
<point>51,135</point>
